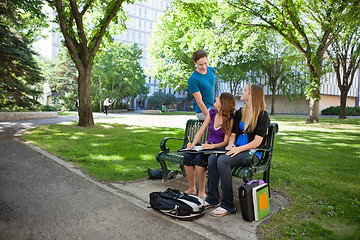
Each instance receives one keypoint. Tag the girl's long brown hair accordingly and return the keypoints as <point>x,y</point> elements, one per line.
<point>255,106</point>
<point>227,110</point>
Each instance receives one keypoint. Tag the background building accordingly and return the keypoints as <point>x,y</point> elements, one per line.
<point>143,17</point>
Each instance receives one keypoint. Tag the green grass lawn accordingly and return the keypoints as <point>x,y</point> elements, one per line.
<point>67,113</point>
<point>317,166</point>
<point>173,113</point>
<point>109,152</point>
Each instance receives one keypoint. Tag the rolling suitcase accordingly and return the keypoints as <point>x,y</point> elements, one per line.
<point>246,200</point>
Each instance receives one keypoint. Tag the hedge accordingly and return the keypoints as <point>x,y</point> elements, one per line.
<point>335,110</point>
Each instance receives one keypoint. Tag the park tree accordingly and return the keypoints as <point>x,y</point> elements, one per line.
<point>235,69</point>
<point>161,98</point>
<point>344,55</point>
<point>117,74</point>
<point>184,28</point>
<point>61,73</point>
<point>234,64</point>
<point>310,26</point>
<point>83,25</point>
<point>269,55</point>
<point>19,72</point>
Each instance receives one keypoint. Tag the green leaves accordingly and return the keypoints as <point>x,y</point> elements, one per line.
<point>186,27</point>
<point>119,72</point>
<point>20,23</point>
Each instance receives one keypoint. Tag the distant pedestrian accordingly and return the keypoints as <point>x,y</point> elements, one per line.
<point>106,106</point>
<point>77,105</point>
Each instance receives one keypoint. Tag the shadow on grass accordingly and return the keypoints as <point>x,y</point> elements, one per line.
<point>319,168</point>
<point>110,152</point>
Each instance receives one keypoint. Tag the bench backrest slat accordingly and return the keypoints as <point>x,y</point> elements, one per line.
<point>192,127</point>
<point>269,144</point>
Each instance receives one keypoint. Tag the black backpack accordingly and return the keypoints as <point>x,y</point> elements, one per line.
<point>178,205</point>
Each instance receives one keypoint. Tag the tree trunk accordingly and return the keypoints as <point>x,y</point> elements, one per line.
<point>313,111</point>
<point>314,104</point>
<point>273,101</point>
<point>315,76</point>
<point>343,99</point>
<point>85,109</point>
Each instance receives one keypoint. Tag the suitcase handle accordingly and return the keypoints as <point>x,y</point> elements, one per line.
<point>252,181</point>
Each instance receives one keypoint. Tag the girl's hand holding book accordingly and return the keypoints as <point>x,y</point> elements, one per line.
<point>233,151</point>
<point>230,146</point>
<point>207,146</point>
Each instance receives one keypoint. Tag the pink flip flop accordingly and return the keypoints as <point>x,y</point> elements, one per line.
<point>220,212</point>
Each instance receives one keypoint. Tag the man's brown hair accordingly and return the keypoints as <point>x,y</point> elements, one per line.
<point>198,55</point>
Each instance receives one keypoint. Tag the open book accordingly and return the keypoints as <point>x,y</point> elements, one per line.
<point>199,149</point>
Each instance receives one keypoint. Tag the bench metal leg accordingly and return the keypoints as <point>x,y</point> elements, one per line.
<point>183,170</point>
<point>173,173</point>
<point>266,177</point>
<point>164,169</point>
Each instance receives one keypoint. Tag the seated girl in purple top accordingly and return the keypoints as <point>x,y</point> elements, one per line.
<point>219,121</point>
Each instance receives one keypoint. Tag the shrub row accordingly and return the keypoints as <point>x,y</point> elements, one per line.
<point>350,111</point>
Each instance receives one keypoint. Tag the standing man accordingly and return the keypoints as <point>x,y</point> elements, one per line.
<point>202,84</point>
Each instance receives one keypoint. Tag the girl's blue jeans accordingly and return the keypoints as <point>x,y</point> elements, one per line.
<point>219,169</point>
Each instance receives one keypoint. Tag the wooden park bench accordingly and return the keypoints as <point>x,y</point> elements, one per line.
<point>246,173</point>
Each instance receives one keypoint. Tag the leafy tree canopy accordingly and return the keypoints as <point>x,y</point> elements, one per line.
<point>24,17</point>
<point>310,26</point>
<point>61,74</point>
<point>184,28</point>
<point>84,24</point>
<point>161,98</point>
<point>19,72</point>
<point>117,73</point>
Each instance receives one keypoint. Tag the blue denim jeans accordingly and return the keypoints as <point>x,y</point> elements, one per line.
<point>219,169</point>
<point>195,159</point>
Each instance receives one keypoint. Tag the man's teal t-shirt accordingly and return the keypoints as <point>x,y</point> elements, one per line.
<point>205,84</point>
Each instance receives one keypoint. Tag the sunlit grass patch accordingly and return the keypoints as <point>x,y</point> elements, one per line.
<point>317,167</point>
<point>110,152</point>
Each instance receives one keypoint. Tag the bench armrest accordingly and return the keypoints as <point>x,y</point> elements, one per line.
<point>251,154</point>
<point>163,143</point>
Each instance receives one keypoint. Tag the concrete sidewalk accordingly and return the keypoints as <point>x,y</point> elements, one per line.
<point>137,193</point>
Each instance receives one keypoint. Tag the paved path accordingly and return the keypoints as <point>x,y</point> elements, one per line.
<point>43,197</point>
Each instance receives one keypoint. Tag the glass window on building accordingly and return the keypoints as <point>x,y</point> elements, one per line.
<point>153,15</point>
<point>142,38</point>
